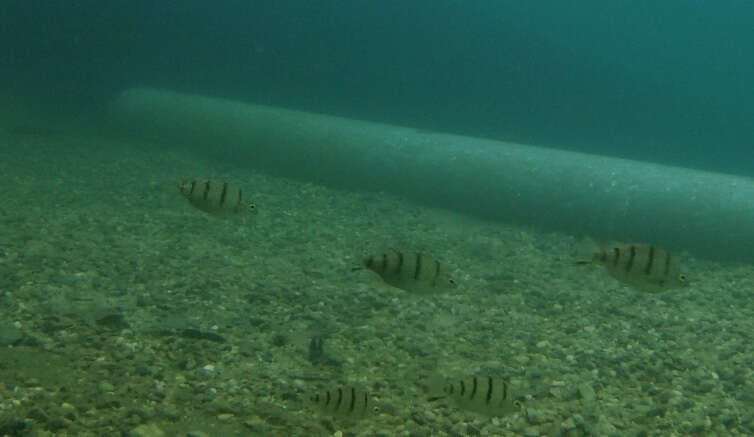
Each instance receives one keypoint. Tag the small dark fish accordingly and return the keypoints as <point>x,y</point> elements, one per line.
<point>410,271</point>
<point>485,395</point>
<point>642,266</point>
<point>347,402</point>
<point>217,198</point>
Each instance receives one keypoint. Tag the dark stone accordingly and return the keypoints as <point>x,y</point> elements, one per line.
<point>114,322</point>
<point>201,335</point>
<point>657,412</point>
<point>279,340</point>
<point>14,427</point>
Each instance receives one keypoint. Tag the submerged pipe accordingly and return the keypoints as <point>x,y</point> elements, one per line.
<point>709,214</point>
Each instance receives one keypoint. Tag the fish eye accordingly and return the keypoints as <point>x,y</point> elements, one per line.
<point>452,281</point>
<point>682,278</point>
<point>517,404</point>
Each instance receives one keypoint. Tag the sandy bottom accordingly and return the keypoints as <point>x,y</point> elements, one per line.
<point>124,311</point>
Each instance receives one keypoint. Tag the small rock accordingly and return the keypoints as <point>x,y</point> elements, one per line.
<point>208,371</point>
<point>587,392</point>
<point>603,427</point>
<point>169,411</point>
<point>657,411</point>
<point>519,423</point>
<point>113,322</point>
<point>535,417</point>
<point>574,432</point>
<point>10,335</point>
<point>145,430</point>
<point>256,425</point>
<point>568,424</point>
<point>201,335</point>
<point>105,387</point>
<point>461,428</point>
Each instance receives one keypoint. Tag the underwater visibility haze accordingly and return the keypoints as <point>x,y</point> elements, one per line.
<point>327,218</point>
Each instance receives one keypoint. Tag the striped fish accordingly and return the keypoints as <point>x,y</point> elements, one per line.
<point>410,271</point>
<point>217,198</point>
<point>643,266</point>
<point>485,395</point>
<point>347,402</point>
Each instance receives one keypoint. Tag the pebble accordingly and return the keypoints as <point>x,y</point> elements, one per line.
<point>587,393</point>
<point>534,416</point>
<point>150,430</point>
<point>208,370</point>
<point>461,428</point>
<point>169,411</point>
<point>748,422</point>
<point>105,387</point>
<point>9,334</point>
<point>679,402</point>
<point>603,427</point>
<point>519,423</point>
<point>574,432</point>
<point>568,424</point>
